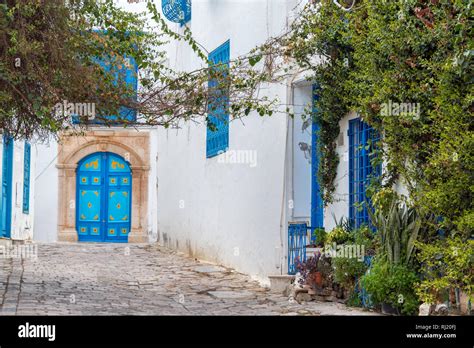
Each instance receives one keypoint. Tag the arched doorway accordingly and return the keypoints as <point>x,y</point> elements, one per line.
<point>103,196</point>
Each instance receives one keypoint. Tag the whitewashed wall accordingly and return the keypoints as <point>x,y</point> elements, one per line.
<point>46,194</point>
<point>299,173</point>
<point>21,223</point>
<point>153,188</point>
<point>223,212</point>
<point>340,206</point>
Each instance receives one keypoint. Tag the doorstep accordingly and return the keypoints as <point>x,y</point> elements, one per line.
<point>279,283</point>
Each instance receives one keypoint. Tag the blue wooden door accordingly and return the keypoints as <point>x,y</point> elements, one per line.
<point>6,198</point>
<point>104,187</point>
<point>317,205</point>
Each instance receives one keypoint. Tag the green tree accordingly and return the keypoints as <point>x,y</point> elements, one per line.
<point>50,52</point>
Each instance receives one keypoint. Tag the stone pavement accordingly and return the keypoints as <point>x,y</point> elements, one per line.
<point>136,279</point>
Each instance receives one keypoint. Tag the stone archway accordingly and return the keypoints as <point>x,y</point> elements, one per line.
<point>132,145</point>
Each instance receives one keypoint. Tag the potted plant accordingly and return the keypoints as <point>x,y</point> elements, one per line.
<point>391,279</point>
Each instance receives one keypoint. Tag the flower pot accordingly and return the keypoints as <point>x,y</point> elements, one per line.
<point>278,283</point>
<point>389,309</point>
<point>318,279</point>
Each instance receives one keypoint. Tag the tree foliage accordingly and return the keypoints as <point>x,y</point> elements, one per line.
<point>414,52</point>
<point>51,51</point>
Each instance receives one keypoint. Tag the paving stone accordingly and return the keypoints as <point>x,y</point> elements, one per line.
<point>208,269</point>
<point>99,279</point>
<point>231,294</point>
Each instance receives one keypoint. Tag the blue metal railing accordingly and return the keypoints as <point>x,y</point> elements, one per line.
<point>297,234</point>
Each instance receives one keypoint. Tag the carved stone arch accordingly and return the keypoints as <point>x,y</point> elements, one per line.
<point>103,145</point>
<point>132,146</point>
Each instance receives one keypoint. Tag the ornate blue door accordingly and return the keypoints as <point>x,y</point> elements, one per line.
<point>104,188</point>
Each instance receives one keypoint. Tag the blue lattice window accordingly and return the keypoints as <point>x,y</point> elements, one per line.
<point>363,140</point>
<point>218,109</point>
<point>178,11</point>
<point>26,178</point>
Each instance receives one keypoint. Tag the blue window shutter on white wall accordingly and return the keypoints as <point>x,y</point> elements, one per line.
<point>26,178</point>
<point>362,141</point>
<point>218,116</point>
<point>130,75</point>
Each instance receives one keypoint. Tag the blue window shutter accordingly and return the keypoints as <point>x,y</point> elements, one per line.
<point>362,141</point>
<point>129,74</point>
<point>218,115</point>
<point>26,178</point>
<point>317,206</point>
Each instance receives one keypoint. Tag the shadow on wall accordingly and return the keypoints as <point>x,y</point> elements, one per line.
<point>168,243</point>
<point>165,240</point>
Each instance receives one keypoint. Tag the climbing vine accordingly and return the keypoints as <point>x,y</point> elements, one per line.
<point>319,42</point>
<point>380,56</point>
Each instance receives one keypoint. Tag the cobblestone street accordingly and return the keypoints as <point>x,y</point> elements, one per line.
<point>121,279</point>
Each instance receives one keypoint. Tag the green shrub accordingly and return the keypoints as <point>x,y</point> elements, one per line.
<point>392,284</point>
<point>445,264</point>
<point>319,236</point>
<point>338,235</point>
<point>348,270</point>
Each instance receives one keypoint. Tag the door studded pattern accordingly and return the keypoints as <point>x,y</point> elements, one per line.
<point>103,198</point>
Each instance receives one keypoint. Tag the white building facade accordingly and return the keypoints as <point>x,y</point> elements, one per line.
<point>230,203</point>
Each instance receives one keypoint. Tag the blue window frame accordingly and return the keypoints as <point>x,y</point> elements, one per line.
<point>218,110</point>
<point>317,206</point>
<point>26,178</point>
<point>363,141</point>
<point>6,197</point>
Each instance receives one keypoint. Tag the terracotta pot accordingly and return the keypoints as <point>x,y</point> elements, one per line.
<point>318,279</point>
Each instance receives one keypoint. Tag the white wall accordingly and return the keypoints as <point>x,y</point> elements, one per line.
<point>46,194</point>
<point>222,212</point>
<point>340,205</point>
<point>153,188</point>
<point>299,171</point>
